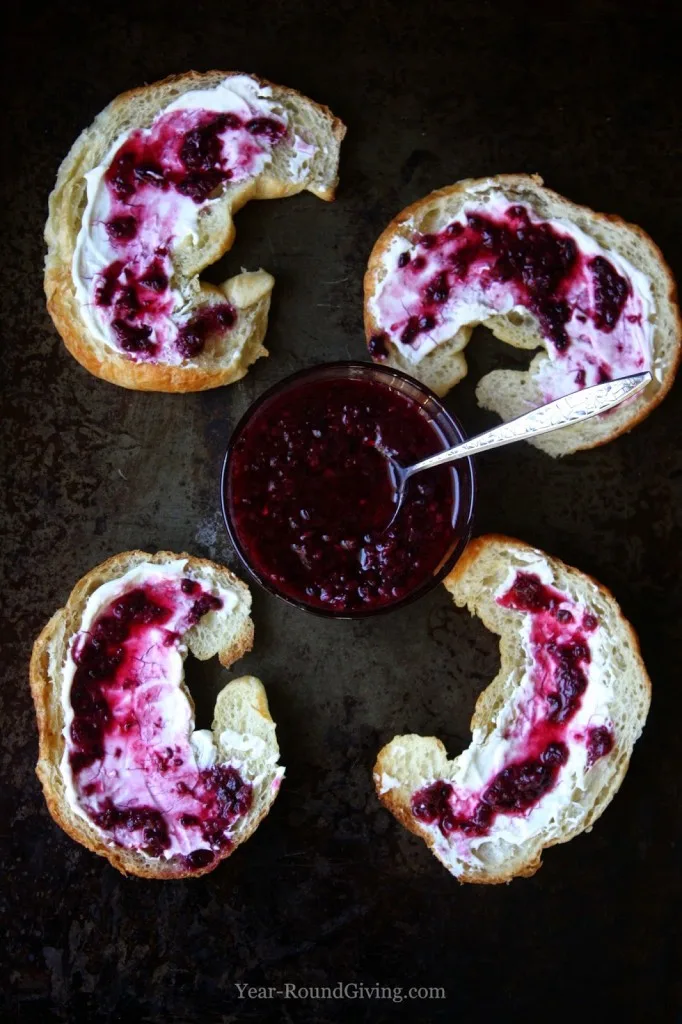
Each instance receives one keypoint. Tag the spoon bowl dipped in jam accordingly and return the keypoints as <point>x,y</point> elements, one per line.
<point>309,497</point>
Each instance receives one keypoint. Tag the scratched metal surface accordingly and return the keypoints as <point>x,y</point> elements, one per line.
<point>331,889</point>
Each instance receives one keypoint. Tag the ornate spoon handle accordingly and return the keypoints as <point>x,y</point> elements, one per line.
<point>562,413</point>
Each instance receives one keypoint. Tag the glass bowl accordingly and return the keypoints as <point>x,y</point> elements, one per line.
<point>447,430</point>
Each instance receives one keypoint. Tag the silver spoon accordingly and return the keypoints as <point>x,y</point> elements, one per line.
<point>562,413</point>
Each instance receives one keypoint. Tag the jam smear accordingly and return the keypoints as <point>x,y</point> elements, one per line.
<point>432,803</point>
<point>202,148</point>
<point>529,594</point>
<point>184,152</point>
<point>98,655</point>
<point>199,859</point>
<point>147,821</point>
<point>559,645</point>
<point>112,726</point>
<point>512,791</point>
<point>310,497</point>
<point>266,126</point>
<point>185,155</point>
<point>228,798</point>
<point>610,293</point>
<point>192,336</point>
<point>561,656</point>
<point>521,785</point>
<point>121,229</point>
<point>536,262</point>
<point>204,604</point>
<point>599,743</point>
<point>132,338</point>
<point>108,283</point>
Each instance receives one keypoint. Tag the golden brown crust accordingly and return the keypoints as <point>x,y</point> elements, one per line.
<point>115,367</point>
<point>654,394</point>
<point>396,800</point>
<point>50,723</point>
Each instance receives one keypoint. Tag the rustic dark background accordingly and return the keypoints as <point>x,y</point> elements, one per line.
<point>330,888</point>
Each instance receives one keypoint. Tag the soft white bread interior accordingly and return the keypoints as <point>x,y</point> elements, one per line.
<point>228,360</point>
<point>510,393</point>
<point>409,763</point>
<point>242,728</point>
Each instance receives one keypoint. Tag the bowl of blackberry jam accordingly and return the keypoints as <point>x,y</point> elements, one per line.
<point>308,497</point>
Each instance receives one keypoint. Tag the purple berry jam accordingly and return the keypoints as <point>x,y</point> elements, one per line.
<point>184,159</point>
<point>599,743</point>
<point>210,320</point>
<point>512,791</point>
<point>147,822</point>
<point>432,804</point>
<point>560,645</point>
<point>533,259</point>
<point>184,151</point>
<point>133,768</point>
<point>561,656</point>
<point>500,257</point>
<point>309,498</point>
<point>610,293</point>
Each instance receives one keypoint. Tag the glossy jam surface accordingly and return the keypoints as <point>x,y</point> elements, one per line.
<point>191,152</point>
<point>491,261</point>
<point>148,202</point>
<point>537,744</point>
<point>599,743</point>
<point>135,773</point>
<point>309,495</point>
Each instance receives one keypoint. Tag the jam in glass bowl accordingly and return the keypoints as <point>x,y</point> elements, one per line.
<point>308,499</point>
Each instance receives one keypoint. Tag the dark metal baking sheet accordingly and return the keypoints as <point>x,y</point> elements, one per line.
<point>330,889</point>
